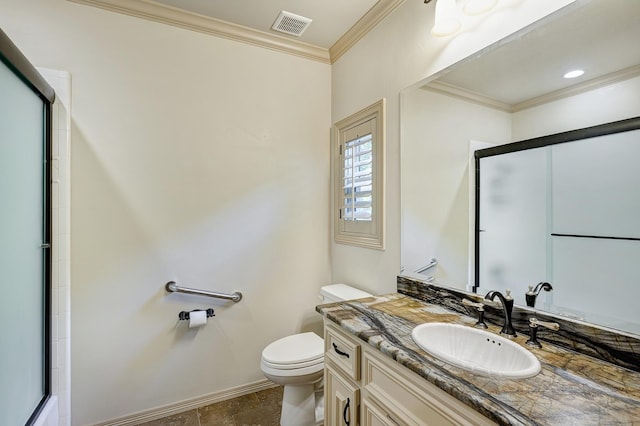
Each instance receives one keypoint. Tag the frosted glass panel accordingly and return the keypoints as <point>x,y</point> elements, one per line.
<point>593,278</point>
<point>565,209</point>
<point>583,177</point>
<point>21,257</point>
<point>513,221</point>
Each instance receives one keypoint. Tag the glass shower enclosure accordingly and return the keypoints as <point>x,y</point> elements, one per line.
<point>25,244</point>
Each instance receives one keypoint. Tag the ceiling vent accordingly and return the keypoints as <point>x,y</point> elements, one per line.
<point>290,23</point>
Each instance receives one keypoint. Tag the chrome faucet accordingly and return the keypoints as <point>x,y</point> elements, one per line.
<point>531,295</point>
<point>507,307</point>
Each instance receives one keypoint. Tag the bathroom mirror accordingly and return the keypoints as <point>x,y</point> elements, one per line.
<point>563,209</point>
<point>510,92</point>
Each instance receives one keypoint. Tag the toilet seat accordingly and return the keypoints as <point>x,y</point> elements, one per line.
<point>300,374</point>
<point>297,363</point>
<point>295,351</point>
<point>293,366</point>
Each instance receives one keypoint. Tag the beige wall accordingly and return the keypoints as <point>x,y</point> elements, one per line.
<point>193,158</point>
<point>398,53</point>
<point>206,161</point>
<point>616,101</point>
<point>436,134</point>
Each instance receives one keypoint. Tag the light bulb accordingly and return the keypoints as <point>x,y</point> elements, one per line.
<point>447,21</point>
<point>478,7</point>
<point>574,74</point>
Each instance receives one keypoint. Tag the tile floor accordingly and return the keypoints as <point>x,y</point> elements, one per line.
<point>256,409</point>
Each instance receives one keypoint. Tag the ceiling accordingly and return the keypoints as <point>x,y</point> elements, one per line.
<point>599,36</point>
<point>336,25</point>
<point>331,18</point>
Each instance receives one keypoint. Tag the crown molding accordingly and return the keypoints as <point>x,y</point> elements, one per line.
<point>373,17</point>
<point>467,95</point>
<point>153,11</point>
<point>157,12</point>
<point>587,86</point>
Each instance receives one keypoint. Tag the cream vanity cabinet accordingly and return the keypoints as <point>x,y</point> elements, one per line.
<point>364,387</point>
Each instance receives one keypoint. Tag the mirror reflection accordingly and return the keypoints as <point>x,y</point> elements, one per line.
<point>509,92</point>
<point>563,209</point>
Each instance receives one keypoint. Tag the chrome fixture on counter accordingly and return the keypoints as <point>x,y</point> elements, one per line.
<point>533,330</point>
<point>531,295</point>
<point>507,307</point>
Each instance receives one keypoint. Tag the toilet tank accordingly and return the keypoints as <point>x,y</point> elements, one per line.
<point>339,292</point>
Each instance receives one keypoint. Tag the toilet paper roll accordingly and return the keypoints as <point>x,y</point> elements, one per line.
<point>197,318</point>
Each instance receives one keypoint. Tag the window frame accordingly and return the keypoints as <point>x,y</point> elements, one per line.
<point>368,234</point>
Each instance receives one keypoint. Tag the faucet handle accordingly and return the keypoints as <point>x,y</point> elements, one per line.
<point>478,305</point>
<point>533,330</point>
<point>492,303</point>
<point>534,322</point>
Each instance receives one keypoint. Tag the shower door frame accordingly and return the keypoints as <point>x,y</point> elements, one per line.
<point>13,58</point>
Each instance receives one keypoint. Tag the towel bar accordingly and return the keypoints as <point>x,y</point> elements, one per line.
<point>433,262</point>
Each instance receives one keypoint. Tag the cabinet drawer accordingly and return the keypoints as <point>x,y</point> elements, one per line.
<point>411,400</point>
<point>343,351</point>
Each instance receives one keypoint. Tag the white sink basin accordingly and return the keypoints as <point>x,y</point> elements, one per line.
<point>475,350</point>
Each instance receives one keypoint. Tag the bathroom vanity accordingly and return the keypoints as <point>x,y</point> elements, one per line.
<point>357,375</point>
<point>375,374</point>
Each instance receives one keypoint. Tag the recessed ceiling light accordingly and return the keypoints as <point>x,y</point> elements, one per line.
<point>574,74</point>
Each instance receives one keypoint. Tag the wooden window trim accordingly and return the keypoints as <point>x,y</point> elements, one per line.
<point>373,237</point>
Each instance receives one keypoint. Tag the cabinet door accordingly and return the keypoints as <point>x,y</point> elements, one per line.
<point>341,399</point>
<point>404,398</point>
<point>374,415</point>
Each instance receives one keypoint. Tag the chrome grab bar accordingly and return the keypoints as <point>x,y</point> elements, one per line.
<point>172,287</point>
<point>433,262</point>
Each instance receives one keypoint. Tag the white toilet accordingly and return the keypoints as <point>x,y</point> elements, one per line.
<point>297,362</point>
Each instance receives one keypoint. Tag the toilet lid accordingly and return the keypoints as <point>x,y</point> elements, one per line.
<point>294,349</point>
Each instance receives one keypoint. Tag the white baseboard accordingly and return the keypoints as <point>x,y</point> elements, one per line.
<point>189,404</point>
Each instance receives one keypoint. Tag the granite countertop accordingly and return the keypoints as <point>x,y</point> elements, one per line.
<point>571,388</point>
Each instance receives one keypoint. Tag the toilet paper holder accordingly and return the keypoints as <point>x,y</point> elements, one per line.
<point>184,315</point>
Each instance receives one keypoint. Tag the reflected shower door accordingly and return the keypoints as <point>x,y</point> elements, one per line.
<point>23,382</point>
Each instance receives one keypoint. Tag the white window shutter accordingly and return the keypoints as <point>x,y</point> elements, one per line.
<point>359,180</point>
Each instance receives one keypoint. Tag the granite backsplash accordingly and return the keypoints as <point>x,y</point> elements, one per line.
<point>606,344</point>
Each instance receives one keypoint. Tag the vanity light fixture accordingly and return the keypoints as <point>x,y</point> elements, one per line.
<point>447,18</point>
<point>574,74</point>
<point>448,15</point>
<point>478,7</point>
